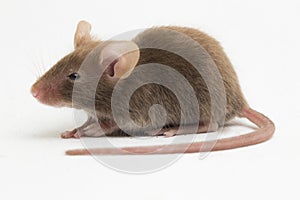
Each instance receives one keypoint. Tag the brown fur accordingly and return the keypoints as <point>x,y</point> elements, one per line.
<point>235,98</point>
<point>155,94</point>
<point>59,89</point>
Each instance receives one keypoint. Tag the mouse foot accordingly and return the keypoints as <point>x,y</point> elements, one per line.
<point>91,128</point>
<point>70,134</point>
<point>80,131</point>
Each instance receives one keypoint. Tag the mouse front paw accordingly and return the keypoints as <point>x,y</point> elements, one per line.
<point>70,134</point>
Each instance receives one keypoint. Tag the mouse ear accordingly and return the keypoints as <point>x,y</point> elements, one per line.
<point>120,58</point>
<point>82,34</point>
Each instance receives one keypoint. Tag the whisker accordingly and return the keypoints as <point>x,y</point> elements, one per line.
<point>40,64</point>
<point>31,71</point>
<point>43,69</point>
<point>35,67</point>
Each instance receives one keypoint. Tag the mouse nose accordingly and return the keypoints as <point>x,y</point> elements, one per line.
<point>34,92</point>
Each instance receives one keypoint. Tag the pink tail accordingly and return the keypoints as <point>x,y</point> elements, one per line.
<point>264,132</point>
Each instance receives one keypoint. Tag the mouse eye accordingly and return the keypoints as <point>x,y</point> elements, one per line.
<point>74,76</point>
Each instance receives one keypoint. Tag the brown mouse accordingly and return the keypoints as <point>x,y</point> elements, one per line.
<point>98,77</point>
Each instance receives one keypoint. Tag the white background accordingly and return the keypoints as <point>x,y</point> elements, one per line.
<point>260,37</point>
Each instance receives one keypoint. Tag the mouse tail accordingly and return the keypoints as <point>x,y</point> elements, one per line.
<point>264,132</point>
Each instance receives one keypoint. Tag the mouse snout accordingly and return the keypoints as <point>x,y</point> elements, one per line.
<point>34,92</point>
<point>46,94</point>
<point>37,92</point>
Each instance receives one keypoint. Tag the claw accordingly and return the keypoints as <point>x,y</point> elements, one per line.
<point>70,134</point>
<point>170,133</point>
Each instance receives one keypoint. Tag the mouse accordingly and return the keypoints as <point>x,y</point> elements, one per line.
<point>103,88</point>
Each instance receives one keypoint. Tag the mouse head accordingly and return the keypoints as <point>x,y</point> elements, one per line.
<point>115,58</point>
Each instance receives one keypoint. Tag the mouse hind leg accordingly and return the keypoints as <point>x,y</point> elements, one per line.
<point>187,129</point>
